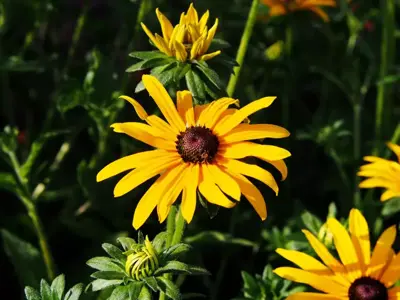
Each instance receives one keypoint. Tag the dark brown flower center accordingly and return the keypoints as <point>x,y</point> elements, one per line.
<point>367,288</point>
<point>197,145</point>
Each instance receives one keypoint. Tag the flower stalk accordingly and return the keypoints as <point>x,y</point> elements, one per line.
<point>244,42</point>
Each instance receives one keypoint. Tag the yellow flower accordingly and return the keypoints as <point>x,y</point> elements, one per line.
<point>283,7</point>
<point>197,148</point>
<point>190,39</point>
<point>359,276</point>
<point>382,173</point>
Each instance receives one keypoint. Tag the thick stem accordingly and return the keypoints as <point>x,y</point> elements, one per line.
<point>244,42</point>
<point>388,47</point>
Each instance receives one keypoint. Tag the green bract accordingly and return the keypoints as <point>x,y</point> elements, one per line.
<point>55,291</point>
<point>199,76</point>
<point>141,268</point>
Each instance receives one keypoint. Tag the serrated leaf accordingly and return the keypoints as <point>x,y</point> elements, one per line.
<point>166,77</point>
<point>108,275</point>
<point>100,284</point>
<point>7,182</point>
<point>45,290</point>
<point>176,250</point>
<point>126,242</point>
<point>145,294</point>
<point>196,86</point>
<point>181,71</point>
<point>75,292</point>
<point>25,258</point>
<point>31,293</point>
<point>211,75</point>
<point>120,293</point>
<point>146,55</point>
<point>159,241</point>
<point>135,289</point>
<point>195,270</point>
<point>169,288</point>
<point>136,67</point>
<point>58,286</point>
<point>102,263</point>
<point>173,266</point>
<point>114,252</point>
<point>151,283</point>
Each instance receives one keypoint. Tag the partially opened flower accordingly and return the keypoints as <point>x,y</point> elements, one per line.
<point>382,173</point>
<point>190,39</point>
<point>198,148</point>
<point>359,275</point>
<point>283,7</point>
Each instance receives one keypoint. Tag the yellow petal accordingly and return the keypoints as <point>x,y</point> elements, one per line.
<point>194,34</point>
<point>327,258</point>
<point>305,261</point>
<point>189,195</point>
<point>280,165</point>
<point>323,15</point>
<point>224,127</point>
<point>140,111</point>
<point>225,182</point>
<point>197,47</point>
<point>376,182</point>
<point>162,45</point>
<point>211,192</point>
<point>252,194</point>
<point>184,103</point>
<point>245,149</point>
<point>151,198</point>
<point>166,26</point>
<point>151,37</point>
<point>392,273</point>
<point>313,296</point>
<point>309,3</point>
<point>394,293</point>
<point>142,174</point>
<point>345,248</point>
<point>145,134</point>
<point>198,110</point>
<point>360,237</point>
<point>389,194</point>
<point>395,148</point>
<point>192,14</point>
<point>163,101</point>
<point>203,21</point>
<point>210,55</point>
<point>212,113</point>
<point>319,282</point>
<point>130,162</point>
<point>210,36</point>
<point>238,167</point>
<point>245,132</point>
<point>374,159</point>
<point>180,51</point>
<point>178,179</point>
<point>381,253</point>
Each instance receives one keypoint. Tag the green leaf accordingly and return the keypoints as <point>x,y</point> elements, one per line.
<point>168,287</point>
<point>210,74</point>
<point>136,67</point>
<point>148,64</point>
<point>26,259</point>
<point>146,55</point>
<point>176,250</point>
<point>391,207</point>
<point>120,293</point>
<point>100,284</point>
<point>159,241</point>
<point>166,77</point>
<point>311,222</point>
<point>74,293</point>
<point>134,289</point>
<point>195,86</point>
<point>108,275</point>
<point>45,290</point>
<point>195,270</point>
<point>58,286</point>
<point>140,238</point>
<point>114,252</point>
<point>145,294</point>
<point>126,242</point>
<point>102,263</point>
<point>151,283</point>
<point>218,44</point>
<point>181,71</point>
<point>32,294</point>
<point>7,182</point>
<point>173,266</point>
<point>388,79</point>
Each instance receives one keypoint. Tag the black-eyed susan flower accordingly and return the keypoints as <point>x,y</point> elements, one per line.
<point>197,148</point>
<point>283,7</point>
<point>382,173</point>
<point>138,270</point>
<point>359,275</point>
<point>188,40</point>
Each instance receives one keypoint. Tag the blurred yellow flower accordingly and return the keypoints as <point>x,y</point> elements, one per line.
<point>199,147</point>
<point>382,173</point>
<point>190,39</point>
<point>359,276</point>
<point>283,7</point>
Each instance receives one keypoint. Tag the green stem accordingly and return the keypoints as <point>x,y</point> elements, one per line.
<point>244,42</point>
<point>179,228</point>
<point>388,47</point>
<point>356,149</point>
